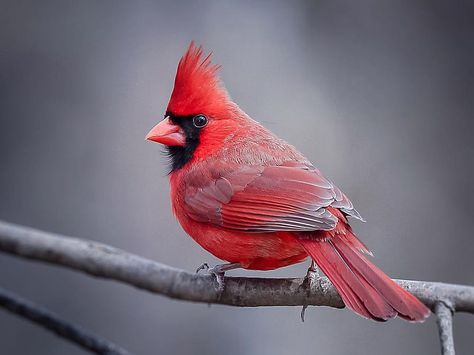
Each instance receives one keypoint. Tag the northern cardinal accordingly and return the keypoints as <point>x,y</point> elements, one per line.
<point>250,198</point>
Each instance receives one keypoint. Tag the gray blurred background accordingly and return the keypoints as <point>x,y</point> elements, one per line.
<point>378,94</point>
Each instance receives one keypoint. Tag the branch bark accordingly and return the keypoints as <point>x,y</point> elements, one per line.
<point>54,323</point>
<point>106,262</point>
<point>444,314</point>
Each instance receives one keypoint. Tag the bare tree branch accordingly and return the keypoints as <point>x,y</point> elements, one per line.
<point>104,261</point>
<point>444,314</point>
<point>52,322</point>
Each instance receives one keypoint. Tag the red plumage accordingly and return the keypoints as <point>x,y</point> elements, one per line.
<point>197,85</point>
<point>249,197</point>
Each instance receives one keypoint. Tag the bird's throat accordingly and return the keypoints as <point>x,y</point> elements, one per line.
<point>179,156</point>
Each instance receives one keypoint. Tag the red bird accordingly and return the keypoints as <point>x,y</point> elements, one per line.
<point>252,199</point>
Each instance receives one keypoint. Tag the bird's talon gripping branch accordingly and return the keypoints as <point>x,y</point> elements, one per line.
<point>220,280</point>
<point>218,271</point>
<point>311,275</point>
<point>204,266</point>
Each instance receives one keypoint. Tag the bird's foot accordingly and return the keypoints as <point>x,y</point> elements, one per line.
<point>311,275</point>
<point>218,271</point>
<point>204,266</point>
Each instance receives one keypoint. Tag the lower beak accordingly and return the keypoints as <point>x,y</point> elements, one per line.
<point>167,133</point>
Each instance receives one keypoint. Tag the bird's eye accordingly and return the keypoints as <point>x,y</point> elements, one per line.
<point>199,121</point>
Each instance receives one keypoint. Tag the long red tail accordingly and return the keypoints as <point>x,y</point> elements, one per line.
<point>362,286</point>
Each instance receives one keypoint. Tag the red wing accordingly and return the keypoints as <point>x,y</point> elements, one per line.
<point>288,197</point>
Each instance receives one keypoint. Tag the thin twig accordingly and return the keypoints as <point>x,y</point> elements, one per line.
<point>444,314</point>
<point>52,322</point>
<point>104,261</point>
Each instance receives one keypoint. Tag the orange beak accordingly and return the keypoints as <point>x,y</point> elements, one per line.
<point>167,133</point>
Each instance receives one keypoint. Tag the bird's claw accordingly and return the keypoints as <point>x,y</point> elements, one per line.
<point>219,278</point>
<point>204,266</point>
<point>218,271</point>
<point>309,280</point>
<point>308,283</point>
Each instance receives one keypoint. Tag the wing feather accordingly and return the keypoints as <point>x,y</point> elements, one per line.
<point>287,197</point>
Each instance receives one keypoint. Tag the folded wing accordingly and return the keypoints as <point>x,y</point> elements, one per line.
<point>287,197</point>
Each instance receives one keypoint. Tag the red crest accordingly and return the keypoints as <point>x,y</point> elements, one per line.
<point>197,87</point>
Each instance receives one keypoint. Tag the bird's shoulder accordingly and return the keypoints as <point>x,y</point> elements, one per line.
<point>248,150</point>
<point>256,145</point>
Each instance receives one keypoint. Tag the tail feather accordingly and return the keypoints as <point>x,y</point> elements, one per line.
<point>355,292</point>
<point>325,258</point>
<point>407,305</point>
<point>362,286</point>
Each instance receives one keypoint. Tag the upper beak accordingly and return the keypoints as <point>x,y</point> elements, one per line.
<point>167,133</point>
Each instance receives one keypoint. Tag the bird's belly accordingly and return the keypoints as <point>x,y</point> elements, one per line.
<point>257,251</point>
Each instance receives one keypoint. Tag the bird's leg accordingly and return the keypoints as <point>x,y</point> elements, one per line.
<point>218,271</point>
<point>311,275</point>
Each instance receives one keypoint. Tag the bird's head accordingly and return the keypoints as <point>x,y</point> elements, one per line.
<point>200,114</point>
